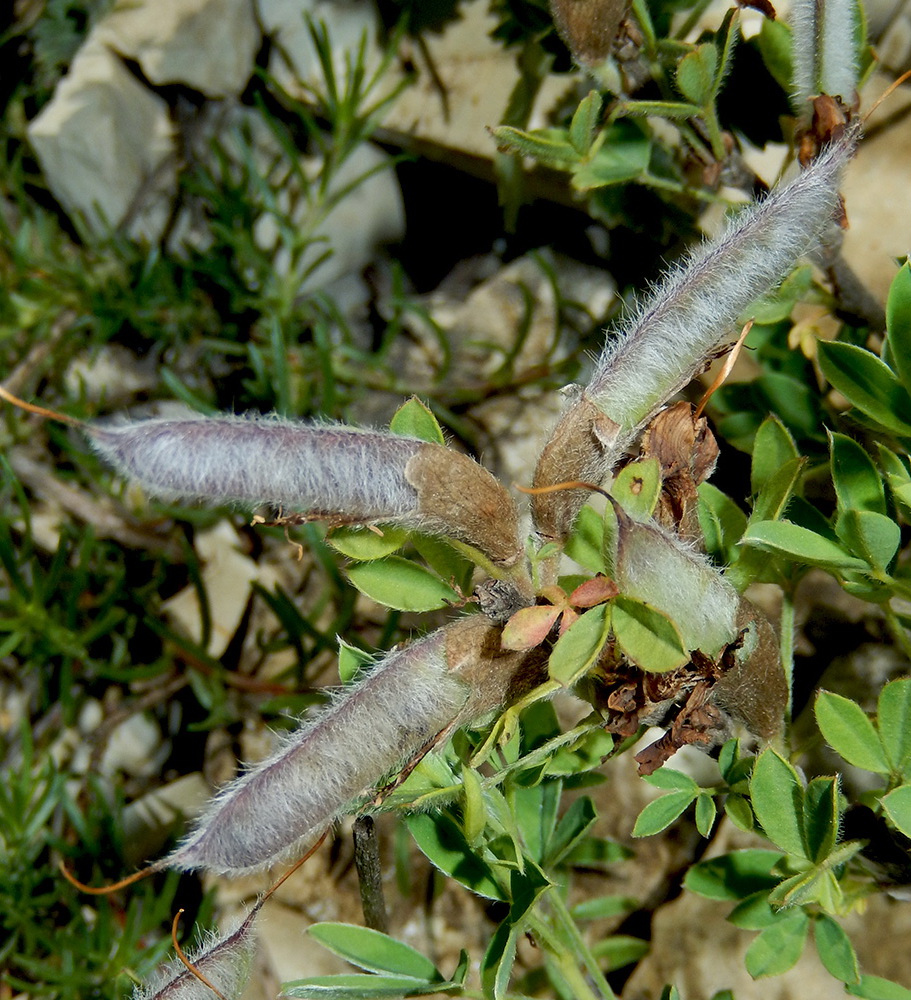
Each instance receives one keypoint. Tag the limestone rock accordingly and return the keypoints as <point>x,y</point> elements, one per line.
<point>208,45</point>
<point>105,145</point>
<point>295,58</point>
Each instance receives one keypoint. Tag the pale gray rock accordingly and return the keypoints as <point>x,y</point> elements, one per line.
<point>105,144</point>
<point>208,45</point>
<point>295,58</point>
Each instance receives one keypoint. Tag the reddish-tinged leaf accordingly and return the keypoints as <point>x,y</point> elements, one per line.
<point>594,591</point>
<point>556,595</point>
<point>569,617</point>
<point>529,627</point>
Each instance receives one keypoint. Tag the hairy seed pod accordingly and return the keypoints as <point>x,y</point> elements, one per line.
<point>824,51</point>
<point>224,961</point>
<point>755,690</point>
<point>280,806</point>
<point>654,566</point>
<point>677,330</point>
<point>340,473</point>
<point>264,460</point>
<point>372,728</point>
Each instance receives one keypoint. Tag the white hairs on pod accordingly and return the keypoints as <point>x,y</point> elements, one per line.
<point>696,307</point>
<point>804,49</point>
<point>281,805</point>
<point>656,567</point>
<point>225,961</point>
<point>824,50</point>
<point>244,460</point>
<point>838,49</point>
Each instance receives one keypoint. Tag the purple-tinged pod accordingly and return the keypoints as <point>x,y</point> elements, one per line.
<point>692,313</point>
<point>224,961</point>
<point>264,461</point>
<point>339,473</point>
<point>281,805</point>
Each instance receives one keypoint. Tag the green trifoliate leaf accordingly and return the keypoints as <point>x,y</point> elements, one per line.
<point>858,483</point>
<point>401,584</point>
<point>735,875</point>
<point>446,848</point>
<point>572,828</point>
<point>897,805</point>
<point>835,949</point>
<point>894,724</point>
<point>548,146</point>
<point>778,947</point>
<point>722,522</point>
<point>584,544</point>
<point>365,544</point>
<point>753,913</point>
<point>705,814</point>
<point>624,156</point>
<point>619,950</point>
<point>647,636</point>
<point>821,818</point>
<point>898,324</point>
<point>875,538</point>
<point>637,486</point>
<point>578,649</point>
<point>359,986</point>
<point>777,796</point>
<point>877,988</point>
<point>374,951</point>
<point>868,384</point>
<point>800,545</point>
<point>696,74</point>
<point>659,815</point>
<point>350,661</point>
<point>847,729</point>
<point>415,419</point>
<point>775,48</point>
<point>474,811</point>
<point>585,121</point>
<point>772,449</point>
